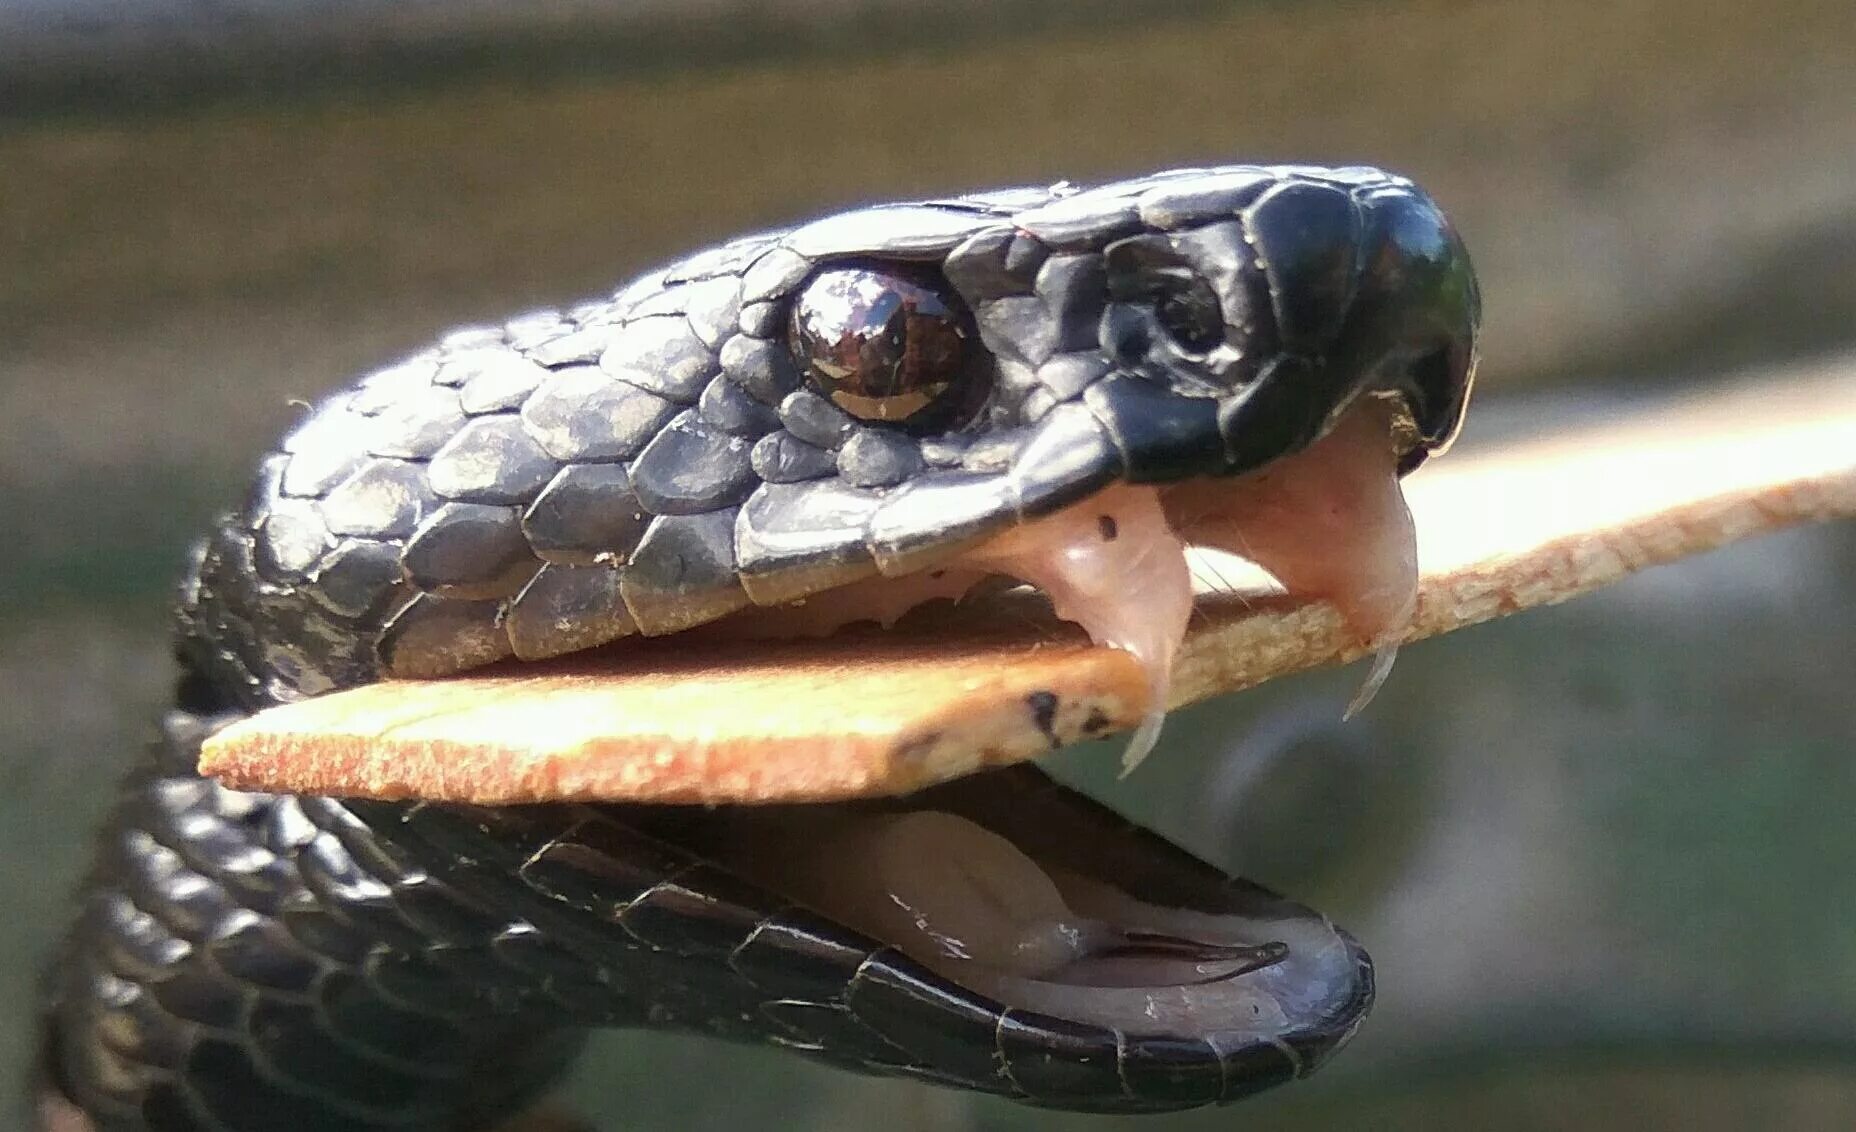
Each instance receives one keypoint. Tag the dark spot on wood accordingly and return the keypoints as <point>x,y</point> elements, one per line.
<point>1109,528</point>
<point>916,749</point>
<point>1097,722</point>
<point>1043,707</point>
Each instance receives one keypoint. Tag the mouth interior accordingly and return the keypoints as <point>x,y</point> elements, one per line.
<point>1002,890</point>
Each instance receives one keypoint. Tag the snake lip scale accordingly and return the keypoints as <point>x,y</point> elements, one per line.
<point>841,404</point>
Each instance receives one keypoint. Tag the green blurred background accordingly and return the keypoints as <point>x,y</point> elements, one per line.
<point>1601,852</point>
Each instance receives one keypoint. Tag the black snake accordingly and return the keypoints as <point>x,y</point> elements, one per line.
<point>702,442</point>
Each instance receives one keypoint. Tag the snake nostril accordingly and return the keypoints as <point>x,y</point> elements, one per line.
<point>1188,311</point>
<point>1149,273</point>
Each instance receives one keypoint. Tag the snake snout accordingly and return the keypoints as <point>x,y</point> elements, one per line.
<point>1241,340</point>
<point>1372,293</point>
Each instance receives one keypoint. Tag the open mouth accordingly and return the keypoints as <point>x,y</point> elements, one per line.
<point>1008,886</point>
<point>997,931</point>
<point>1005,891</point>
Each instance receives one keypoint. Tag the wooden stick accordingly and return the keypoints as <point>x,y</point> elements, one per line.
<point>866,713</point>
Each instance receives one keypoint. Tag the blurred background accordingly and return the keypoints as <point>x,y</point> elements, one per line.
<point>1601,852</point>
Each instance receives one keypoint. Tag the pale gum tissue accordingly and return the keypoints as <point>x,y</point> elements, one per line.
<point>1327,522</point>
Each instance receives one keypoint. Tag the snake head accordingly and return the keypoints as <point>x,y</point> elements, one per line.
<point>860,398</point>
<point>989,361</point>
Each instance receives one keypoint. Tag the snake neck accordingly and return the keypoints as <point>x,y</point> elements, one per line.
<point>245,642</point>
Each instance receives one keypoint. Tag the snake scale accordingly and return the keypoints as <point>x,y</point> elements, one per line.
<point>699,443</point>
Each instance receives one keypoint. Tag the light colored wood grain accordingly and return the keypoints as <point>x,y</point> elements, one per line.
<point>865,713</point>
<point>869,713</point>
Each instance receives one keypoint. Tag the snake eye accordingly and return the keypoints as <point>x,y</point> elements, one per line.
<point>889,344</point>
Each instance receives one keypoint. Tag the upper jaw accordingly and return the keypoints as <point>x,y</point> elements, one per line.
<point>1331,287</point>
<point>1322,293</point>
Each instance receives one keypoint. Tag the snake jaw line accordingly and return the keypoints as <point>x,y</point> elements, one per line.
<point>1329,522</point>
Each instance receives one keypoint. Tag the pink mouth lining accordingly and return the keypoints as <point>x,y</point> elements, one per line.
<point>1329,522</point>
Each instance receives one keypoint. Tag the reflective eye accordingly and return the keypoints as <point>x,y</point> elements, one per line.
<point>888,344</point>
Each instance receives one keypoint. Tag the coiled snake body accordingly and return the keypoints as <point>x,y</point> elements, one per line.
<point>787,413</point>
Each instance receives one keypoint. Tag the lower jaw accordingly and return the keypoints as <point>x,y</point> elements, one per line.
<point>979,880</point>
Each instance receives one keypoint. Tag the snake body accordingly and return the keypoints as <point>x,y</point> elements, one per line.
<point>657,460</point>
